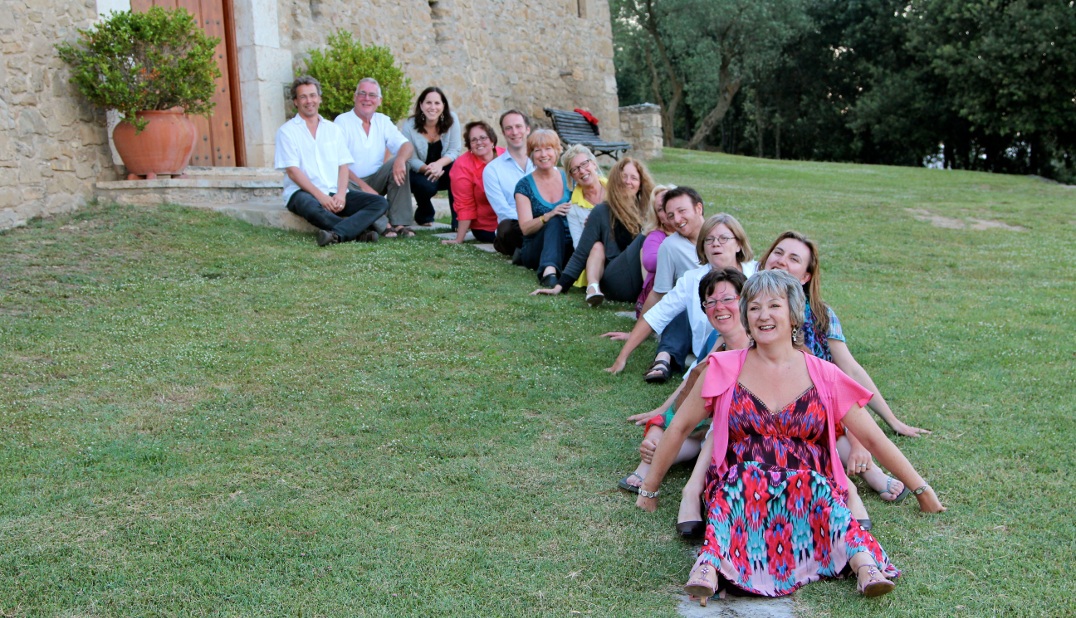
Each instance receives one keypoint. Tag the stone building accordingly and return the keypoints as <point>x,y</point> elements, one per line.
<point>488,56</point>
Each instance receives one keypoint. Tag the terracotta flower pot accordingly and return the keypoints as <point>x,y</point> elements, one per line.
<point>163,147</point>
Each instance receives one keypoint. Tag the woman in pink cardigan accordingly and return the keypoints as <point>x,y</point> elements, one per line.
<point>777,499</point>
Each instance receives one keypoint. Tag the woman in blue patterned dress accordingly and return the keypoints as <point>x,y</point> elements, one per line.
<point>777,497</point>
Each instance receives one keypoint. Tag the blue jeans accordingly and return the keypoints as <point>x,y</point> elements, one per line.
<point>359,213</point>
<point>676,341</point>
<point>549,246</point>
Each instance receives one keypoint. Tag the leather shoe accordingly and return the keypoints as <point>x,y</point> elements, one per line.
<point>691,529</point>
<point>549,280</point>
<point>368,236</point>
<point>325,237</point>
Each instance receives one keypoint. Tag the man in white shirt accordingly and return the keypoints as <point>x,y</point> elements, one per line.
<point>501,176</point>
<point>312,153</point>
<point>684,207</point>
<point>368,135</point>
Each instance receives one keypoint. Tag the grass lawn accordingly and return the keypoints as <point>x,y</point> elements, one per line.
<point>203,417</point>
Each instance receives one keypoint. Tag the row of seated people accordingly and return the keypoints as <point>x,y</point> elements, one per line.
<point>353,178</point>
<point>767,341</point>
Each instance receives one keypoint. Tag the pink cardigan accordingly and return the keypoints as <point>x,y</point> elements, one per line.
<point>837,391</point>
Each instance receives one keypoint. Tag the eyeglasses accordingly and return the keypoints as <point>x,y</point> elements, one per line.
<point>710,241</point>
<point>578,168</point>
<point>479,139</point>
<point>362,94</point>
<point>713,302</point>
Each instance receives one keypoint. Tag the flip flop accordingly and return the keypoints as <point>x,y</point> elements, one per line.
<point>900,497</point>
<point>626,486</point>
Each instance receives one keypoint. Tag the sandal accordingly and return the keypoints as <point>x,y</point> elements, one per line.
<point>659,372</point>
<point>876,585</point>
<point>389,232</point>
<point>900,497</point>
<point>702,583</point>
<point>405,232</point>
<point>626,486</point>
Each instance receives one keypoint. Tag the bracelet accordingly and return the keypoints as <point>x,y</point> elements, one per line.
<point>919,490</point>
<point>542,219</point>
<point>649,494</point>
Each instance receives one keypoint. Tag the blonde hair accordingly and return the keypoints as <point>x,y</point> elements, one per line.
<point>628,209</point>
<point>543,138</point>
<point>652,222</point>
<point>743,255</point>
<point>574,151</point>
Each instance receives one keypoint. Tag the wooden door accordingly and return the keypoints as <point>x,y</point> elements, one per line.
<point>220,137</point>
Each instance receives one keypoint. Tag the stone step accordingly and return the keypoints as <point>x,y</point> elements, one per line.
<point>200,187</point>
<point>251,194</point>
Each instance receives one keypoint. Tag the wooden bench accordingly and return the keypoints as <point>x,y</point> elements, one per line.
<point>573,128</point>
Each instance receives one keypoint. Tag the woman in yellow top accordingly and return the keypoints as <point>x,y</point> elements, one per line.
<point>588,187</point>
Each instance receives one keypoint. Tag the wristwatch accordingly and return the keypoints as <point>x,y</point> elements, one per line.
<point>649,494</point>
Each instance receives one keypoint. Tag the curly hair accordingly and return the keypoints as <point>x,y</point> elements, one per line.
<point>630,210</point>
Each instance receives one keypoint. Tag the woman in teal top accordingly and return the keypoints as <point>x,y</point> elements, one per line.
<point>542,201</point>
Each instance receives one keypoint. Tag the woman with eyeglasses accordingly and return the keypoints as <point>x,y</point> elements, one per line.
<point>588,187</point>
<point>777,513</point>
<point>610,247</point>
<point>722,243</point>
<point>434,131</point>
<point>472,207</point>
<point>720,293</point>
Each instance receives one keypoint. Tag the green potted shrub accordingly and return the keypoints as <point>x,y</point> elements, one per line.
<point>340,67</point>
<point>153,68</point>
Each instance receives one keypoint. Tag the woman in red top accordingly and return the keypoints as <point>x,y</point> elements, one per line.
<point>472,208</point>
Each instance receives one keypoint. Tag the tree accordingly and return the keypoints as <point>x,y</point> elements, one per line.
<point>1007,70</point>
<point>702,52</point>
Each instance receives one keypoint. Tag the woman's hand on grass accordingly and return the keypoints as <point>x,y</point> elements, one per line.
<point>556,289</point>
<point>904,429</point>
<point>642,417</point>
<point>617,335</point>
<point>616,367</point>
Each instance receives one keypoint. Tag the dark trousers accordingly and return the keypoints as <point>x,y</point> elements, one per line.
<point>509,237</point>
<point>483,235</point>
<point>424,189</point>
<point>549,246</point>
<point>676,341</point>
<point>623,276</point>
<point>359,213</point>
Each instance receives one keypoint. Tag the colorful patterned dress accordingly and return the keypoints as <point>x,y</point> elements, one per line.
<point>775,522</point>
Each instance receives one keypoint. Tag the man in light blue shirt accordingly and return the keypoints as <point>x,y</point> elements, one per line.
<point>501,176</point>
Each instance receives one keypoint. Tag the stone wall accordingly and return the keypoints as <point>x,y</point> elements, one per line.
<point>641,125</point>
<point>53,145</point>
<point>487,55</point>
